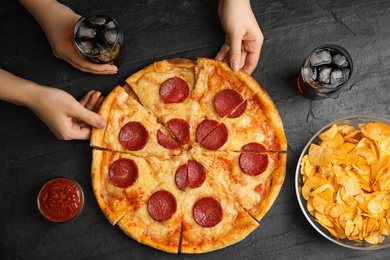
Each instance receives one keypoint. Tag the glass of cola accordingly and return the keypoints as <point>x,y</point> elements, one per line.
<point>325,71</point>
<point>98,38</point>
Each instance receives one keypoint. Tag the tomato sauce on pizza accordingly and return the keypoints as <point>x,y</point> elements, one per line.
<point>192,157</point>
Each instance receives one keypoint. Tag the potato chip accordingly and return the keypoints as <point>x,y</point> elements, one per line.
<point>376,131</point>
<point>346,129</point>
<point>337,142</point>
<point>321,205</point>
<point>346,181</point>
<point>354,137</point>
<point>329,134</point>
<point>311,184</point>
<point>320,156</point>
<point>337,210</point>
<point>351,186</point>
<point>323,220</point>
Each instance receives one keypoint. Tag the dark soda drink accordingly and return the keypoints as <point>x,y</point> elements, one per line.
<point>325,71</point>
<point>98,38</point>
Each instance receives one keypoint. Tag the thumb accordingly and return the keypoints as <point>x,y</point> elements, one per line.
<point>89,117</point>
<point>235,53</point>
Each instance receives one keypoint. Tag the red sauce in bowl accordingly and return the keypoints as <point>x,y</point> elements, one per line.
<point>60,199</point>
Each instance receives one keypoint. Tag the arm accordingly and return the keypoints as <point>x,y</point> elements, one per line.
<point>244,38</point>
<point>66,118</point>
<point>57,21</point>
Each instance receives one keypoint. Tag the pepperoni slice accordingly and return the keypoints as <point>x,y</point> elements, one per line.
<point>253,163</point>
<point>254,147</point>
<point>174,90</point>
<point>226,101</point>
<point>123,173</point>
<point>181,177</point>
<point>162,205</point>
<point>205,128</point>
<point>217,138</point>
<point>239,110</point>
<point>207,212</point>
<point>196,174</point>
<point>133,136</point>
<point>165,140</point>
<point>180,129</point>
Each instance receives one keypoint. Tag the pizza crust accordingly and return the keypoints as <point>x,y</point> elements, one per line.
<point>244,199</point>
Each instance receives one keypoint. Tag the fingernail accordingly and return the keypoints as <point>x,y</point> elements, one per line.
<point>112,70</point>
<point>236,66</point>
<point>101,122</point>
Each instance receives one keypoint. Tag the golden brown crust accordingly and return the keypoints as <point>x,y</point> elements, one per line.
<point>273,118</point>
<point>120,110</point>
<point>244,198</point>
<point>98,185</point>
<point>139,225</point>
<point>104,110</point>
<point>275,185</point>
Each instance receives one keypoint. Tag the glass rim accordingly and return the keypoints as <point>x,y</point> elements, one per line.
<point>329,46</point>
<point>87,16</point>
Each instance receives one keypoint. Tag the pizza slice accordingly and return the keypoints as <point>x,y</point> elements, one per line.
<point>220,91</point>
<point>254,178</point>
<point>132,129</point>
<point>157,221</point>
<point>164,87</point>
<point>120,181</point>
<point>212,219</point>
<point>258,123</point>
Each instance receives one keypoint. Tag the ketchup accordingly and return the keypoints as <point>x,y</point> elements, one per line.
<point>60,199</point>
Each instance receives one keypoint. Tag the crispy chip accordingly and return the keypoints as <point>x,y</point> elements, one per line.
<point>346,181</point>
<point>320,156</point>
<point>329,134</point>
<point>376,131</point>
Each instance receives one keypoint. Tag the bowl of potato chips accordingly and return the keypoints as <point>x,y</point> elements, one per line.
<point>343,182</point>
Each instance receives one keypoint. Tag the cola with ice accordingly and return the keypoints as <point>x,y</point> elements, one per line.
<point>98,38</point>
<point>325,71</point>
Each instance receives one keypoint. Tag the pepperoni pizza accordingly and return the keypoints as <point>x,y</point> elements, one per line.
<point>192,157</point>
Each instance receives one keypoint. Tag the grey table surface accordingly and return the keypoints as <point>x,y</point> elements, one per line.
<point>156,30</point>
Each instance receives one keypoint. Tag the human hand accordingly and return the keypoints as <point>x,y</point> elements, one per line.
<point>57,21</point>
<point>65,117</point>
<point>244,38</point>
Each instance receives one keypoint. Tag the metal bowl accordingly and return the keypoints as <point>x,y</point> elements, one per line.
<point>354,121</point>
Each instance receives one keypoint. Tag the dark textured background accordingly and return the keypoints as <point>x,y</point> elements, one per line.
<point>155,30</point>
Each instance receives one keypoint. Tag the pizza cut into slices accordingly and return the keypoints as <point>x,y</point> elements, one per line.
<point>212,219</point>
<point>208,148</point>
<point>132,129</point>
<point>157,221</point>
<point>253,178</point>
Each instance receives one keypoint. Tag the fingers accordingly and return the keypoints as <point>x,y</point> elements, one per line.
<point>250,63</point>
<point>87,97</point>
<point>74,59</point>
<point>90,100</point>
<point>89,117</point>
<point>98,104</point>
<point>235,53</point>
<point>83,133</point>
<point>221,55</point>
